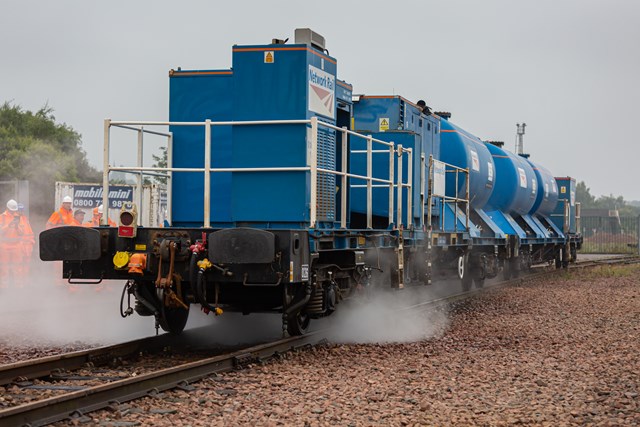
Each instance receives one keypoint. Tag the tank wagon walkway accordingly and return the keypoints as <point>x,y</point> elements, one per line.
<point>562,351</point>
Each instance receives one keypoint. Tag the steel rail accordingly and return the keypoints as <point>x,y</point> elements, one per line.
<point>37,368</point>
<point>444,301</point>
<point>59,408</point>
<point>97,397</point>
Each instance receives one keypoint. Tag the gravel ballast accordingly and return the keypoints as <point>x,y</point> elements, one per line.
<point>561,351</point>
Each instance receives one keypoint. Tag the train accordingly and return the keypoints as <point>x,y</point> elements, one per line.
<point>288,193</point>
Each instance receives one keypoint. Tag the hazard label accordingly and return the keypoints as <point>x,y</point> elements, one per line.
<point>269,57</point>
<point>384,124</point>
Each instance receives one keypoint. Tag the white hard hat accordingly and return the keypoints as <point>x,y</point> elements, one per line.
<point>12,205</point>
<point>67,199</point>
<point>100,209</point>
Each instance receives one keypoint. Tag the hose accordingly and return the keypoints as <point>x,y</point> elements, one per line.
<point>129,310</point>
<point>200,291</point>
<point>298,305</point>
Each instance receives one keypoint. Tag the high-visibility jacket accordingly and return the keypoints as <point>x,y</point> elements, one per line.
<point>15,229</point>
<point>95,222</point>
<point>60,217</point>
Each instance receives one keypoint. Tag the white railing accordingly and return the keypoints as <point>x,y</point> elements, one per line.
<point>312,166</point>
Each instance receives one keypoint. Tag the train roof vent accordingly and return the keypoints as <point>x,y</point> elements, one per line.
<point>496,143</point>
<point>306,36</point>
<point>444,114</point>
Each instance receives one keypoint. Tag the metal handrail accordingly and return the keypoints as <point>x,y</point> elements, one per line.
<point>312,165</point>
<point>449,168</point>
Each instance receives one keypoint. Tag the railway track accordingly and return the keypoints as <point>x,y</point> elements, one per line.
<point>90,398</point>
<point>79,400</point>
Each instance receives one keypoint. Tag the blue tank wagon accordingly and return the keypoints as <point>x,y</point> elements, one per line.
<point>288,194</point>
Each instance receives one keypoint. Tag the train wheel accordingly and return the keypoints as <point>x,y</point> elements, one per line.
<point>464,272</point>
<point>574,254</point>
<point>172,319</point>
<point>298,324</point>
<point>480,274</point>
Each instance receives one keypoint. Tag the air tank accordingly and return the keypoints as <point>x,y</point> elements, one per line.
<point>516,185</point>
<point>462,149</point>
<point>547,197</point>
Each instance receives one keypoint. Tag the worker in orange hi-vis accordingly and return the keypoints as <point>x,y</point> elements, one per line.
<point>78,217</point>
<point>63,216</point>
<point>28,241</point>
<point>16,245</point>
<point>97,217</point>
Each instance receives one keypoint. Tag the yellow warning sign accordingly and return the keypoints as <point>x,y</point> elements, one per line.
<point>384,124</point>
<point>563,190</point>
<point>268,57</point>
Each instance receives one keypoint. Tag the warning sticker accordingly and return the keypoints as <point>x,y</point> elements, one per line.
<point>321,92</point>
<point>269,57</point>
<point>523,178</point>
<point>384,124</point>
<point>475,162</point>
<point>563,190</point>
<point>490,171</point>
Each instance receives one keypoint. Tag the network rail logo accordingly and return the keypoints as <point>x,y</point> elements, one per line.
<point>322,87</point>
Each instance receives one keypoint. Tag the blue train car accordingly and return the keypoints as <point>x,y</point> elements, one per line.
<point>288,194</point>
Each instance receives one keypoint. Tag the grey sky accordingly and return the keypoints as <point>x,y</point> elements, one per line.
<point>569,69</point>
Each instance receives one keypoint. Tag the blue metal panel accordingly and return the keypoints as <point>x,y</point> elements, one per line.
<point>380,160</point>
<point>497,231</point>
<point>406,126</point>
<point>369,111</point>
<point>390,113</point>
<point>197,96</point>
<point>566,194</point>
<point>448,224</point>
<point>466,151</point>
<point>506,223</point>
<point>343,92</point>
<point>278,89</point>
<point>539,233</point>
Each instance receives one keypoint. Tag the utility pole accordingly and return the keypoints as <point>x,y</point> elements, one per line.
<point>519,141</point>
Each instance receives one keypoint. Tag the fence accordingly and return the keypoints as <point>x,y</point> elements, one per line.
<point>610,234</point>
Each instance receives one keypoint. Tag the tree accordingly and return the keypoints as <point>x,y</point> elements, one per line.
<point>160,161</point>
<point>583,196</point>
<point>611,202</point>
<point>35,148</point>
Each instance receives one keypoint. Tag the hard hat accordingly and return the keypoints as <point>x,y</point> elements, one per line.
<point>67,199</point>
<point>12,205</point>
<point>100,209</point>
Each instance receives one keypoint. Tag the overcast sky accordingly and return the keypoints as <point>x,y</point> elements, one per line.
<point>569,69</point>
